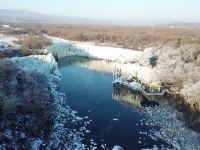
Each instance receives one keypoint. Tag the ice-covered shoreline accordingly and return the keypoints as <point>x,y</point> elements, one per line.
<point>173,130</point>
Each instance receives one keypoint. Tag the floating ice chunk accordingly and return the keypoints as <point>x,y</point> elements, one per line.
<point>115,119</point>
<point>79,118</point>
<point>103,146</point>
<point>87,131</point>
<point>36,144</point>
<point>116,147</point>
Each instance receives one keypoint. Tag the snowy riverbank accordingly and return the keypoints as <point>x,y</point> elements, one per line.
<point>173,130</point>
<point>44,64</point>
<point>66,128</point>
<point>126,60</point>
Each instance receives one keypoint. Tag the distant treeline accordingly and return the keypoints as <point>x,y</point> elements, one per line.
<point>137,38</point>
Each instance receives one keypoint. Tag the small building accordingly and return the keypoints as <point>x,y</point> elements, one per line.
<point>155,87</point>
<point>152,88</point>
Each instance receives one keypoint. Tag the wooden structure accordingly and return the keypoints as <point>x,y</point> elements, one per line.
<point>155,87</point>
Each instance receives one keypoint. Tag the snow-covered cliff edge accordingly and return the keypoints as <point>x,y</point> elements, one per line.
<point>45,64</point>
<point>63,48</point>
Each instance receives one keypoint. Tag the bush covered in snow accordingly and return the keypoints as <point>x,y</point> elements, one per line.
<point>7,70</point>
<point>24,97</point>
<point>19,53</point>
<point>19,89</point>
<point>33,114</point>
<point>26,88</point>
<point>176,65</point>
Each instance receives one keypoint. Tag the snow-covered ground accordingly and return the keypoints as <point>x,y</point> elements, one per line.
<point>5,26</point>
<point>7,42</point>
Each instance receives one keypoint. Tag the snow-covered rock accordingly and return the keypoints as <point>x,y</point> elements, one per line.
<point>123,81</point>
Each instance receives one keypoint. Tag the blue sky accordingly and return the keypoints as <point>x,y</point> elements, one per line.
<point>152,11</point>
